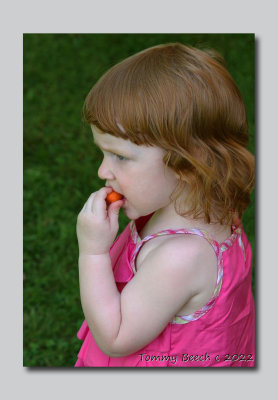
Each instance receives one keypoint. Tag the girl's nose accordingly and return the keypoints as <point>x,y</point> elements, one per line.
<point>104,171</point>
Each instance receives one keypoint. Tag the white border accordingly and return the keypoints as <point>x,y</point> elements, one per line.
<point>212,16</point>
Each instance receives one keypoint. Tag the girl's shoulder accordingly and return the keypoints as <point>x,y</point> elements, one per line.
<point>189,252</point>
<point>187,262</point>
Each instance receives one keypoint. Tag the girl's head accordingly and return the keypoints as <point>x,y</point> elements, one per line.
<point>184,101</point>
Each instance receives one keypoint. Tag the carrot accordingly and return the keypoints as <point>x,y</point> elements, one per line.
<point>113,196</point>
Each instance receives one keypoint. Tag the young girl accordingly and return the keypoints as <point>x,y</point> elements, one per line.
<point>174,289</point>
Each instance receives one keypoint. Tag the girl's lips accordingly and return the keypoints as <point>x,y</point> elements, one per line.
<point>115,190</point>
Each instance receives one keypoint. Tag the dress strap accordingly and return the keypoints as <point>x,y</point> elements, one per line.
<point>140,242</point>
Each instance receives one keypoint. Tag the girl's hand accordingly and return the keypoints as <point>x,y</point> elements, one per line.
<point>97,224</point>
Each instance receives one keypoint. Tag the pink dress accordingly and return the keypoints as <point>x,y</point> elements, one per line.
<point>220,334</point>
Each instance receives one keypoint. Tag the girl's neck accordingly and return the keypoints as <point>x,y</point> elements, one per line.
<point>167,218</point>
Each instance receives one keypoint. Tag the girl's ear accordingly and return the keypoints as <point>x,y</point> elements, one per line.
<point>177,175</point>
<point>166,159</point>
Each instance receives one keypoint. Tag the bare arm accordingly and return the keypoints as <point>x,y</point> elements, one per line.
<point>123,323</point>
<point>168,278</point>
<point>100,299</point>
<point>96,228</point>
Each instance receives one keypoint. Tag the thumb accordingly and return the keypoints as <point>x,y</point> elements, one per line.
<point>113,211</point>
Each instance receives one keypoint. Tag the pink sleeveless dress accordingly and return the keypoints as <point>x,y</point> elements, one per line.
<point>220,334</point>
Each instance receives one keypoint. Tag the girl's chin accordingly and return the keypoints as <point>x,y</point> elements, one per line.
<point>133,215</point>
<point>129,212</point>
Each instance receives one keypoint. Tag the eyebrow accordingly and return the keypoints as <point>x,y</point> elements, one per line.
<point>107,148</point>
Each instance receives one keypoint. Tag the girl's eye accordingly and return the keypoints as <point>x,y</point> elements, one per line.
<point>121,158</point>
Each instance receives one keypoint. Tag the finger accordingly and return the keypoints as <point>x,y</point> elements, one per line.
<point>88,205</point>
<point>99,206</point>
<point>113,212</point>
<point>83,208</point>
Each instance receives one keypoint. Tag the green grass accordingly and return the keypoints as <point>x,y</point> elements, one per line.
<point>60,169</point>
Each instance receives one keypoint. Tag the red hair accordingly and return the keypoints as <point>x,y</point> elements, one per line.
<point>183,100</point>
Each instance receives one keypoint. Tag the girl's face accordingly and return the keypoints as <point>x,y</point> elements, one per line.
<point>137,172</point>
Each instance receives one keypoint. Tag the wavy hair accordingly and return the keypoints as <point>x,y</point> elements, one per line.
<point>183,100</point>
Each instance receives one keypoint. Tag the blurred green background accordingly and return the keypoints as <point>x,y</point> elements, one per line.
<point>61,163</point>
